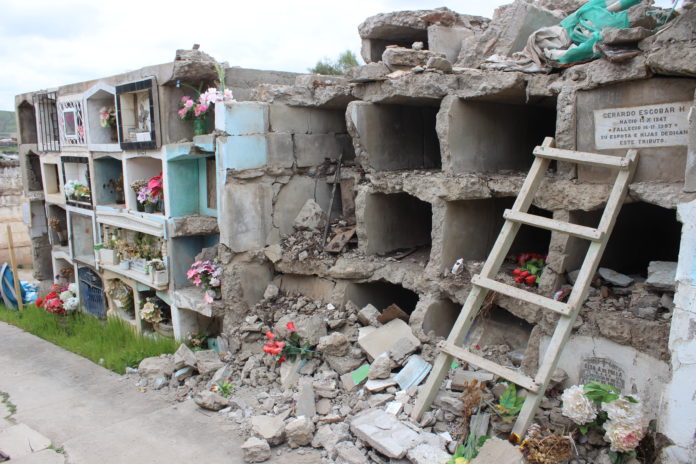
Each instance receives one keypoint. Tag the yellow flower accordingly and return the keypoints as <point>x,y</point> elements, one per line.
<point>461,461</point>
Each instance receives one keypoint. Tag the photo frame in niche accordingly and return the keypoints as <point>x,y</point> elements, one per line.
<point>136,106</point>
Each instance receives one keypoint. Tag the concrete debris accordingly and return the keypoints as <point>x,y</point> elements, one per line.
<point>392,312</point>
<point>384,433</point>
<point>162,366</point>
<point>427,454</point>
<point>369,73</point>
<point>208,361</point>
<point>403,347</point>
<point>335,344</point>
<point>270,428</point>
<point>400,58</point>
<point>211,400</point>
<point>662,275</point>
<point>385,337</point>
<point>375,386</point>
<point>462,378</point>
<point>306,401</point>
<point>256,450</point>
<point>440,63</point>
<point>381,367</point>
<point>614,278</point>
<point>350,454</point>
<point>413,373</point>
<point>498,451</point>
<point>300,432</point>
<point>369,315</point>
<point>310,217</point>
<point>184,357</point>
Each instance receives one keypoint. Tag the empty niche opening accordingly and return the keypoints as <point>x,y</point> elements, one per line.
<point>57,225</point>
<point>82,236</point>
<point>33,167</point>
<point>381,295</point>
<point>397,221</point>
<point>200,331</point>
<point>51,178</point>
<point>643,233</point>
<point>440,317</point>
<point>398,136</point>
<point>108,181</point>
<point>499,327</point>
<point>471,228</point>
<point>27,122</point>
<point>401,36</point>
<point>494,136</point>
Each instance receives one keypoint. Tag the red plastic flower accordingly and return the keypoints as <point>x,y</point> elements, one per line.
<point>270,335</point>
<point>291,326</point>
<point>39,302</point>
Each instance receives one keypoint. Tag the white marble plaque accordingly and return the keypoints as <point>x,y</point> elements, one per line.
<point>663,125</point>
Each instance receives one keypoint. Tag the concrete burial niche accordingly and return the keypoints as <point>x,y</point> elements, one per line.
<point>395,221</point>
<point>439,317</point>
<point>395,136</point>
<point>32,168</point>
<point>472,226</point>
<point>109,188</point>
<point>487,136</point>
<point>27,123</point>
<point>381,295</point>
<point>99,138</point>
<point>643,233</point>
<point>648,115</point>
<point>139,168</point>
<point>82,237</point>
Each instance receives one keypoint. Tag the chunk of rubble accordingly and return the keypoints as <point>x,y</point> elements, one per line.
<point>413,373</point>
<point>306,401</point>
<point>403,348</point>
<point>350,453</point>
<point>462,378</point>
<point>614,278</point>
<point>392,312</point>
<point>211,400</point>
<point>662,275</point>
<point>208,361</point>
<point>335,344</point>
<point>427,454</point>
<point>369,315</point>
<point>309,328</point>
<point>256,450</point>
<point>381,367</point>
<point>310,217</point>
<point>156,367</point>
<point>369,73</point>
<point>401,58</point>
<point>300,432</point>
<point>375,386</point>
<point>500,452</point>
<point>270,428</point>
<point>385,337</point>
<point>383,432</point>
<point>183,357</point>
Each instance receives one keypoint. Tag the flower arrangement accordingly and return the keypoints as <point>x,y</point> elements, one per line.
<point>121,294</point>
<point>197,109</point>
<point>151,193</point>
<point>530,267</point>
<point>60,300</point>
<point>596,405</point>
<point>206,274</point>
<point>223,388</point>
<point>289,348</point>
<point>150,312</point>
<point>107,116</point>
<point>76,190</point>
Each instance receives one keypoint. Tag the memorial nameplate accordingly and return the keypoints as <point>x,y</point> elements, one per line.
<point>602,370</point>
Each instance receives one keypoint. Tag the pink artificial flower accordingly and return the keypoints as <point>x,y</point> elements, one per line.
<point>185,98</point>
<point>188,103</point>
<point>200,109</point>
<point>182,112</point>
<point>207,298</point>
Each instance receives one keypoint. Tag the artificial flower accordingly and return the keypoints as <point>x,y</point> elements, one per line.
<point>623,437</point>
<point>578,407</point>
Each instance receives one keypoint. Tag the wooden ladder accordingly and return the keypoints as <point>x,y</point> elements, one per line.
<point>485,281</point>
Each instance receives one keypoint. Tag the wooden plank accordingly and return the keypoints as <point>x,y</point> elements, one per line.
<point>587,233</point>
<point>580,291</point>
<point>13,266</point>
<point>520,294</point>
<point>592,159</point>
<point>513,376</point>
<point>339,241</point>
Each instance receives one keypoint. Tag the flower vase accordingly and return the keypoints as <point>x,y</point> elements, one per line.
<point>124,264</point>
<point>149,208</point>
<point>114,134</point>
<point>200,126</point>
<point>140,207</point>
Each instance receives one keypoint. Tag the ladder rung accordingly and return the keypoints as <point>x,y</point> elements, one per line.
<point>592,159</point>
<point>465,355</point>
<point>520,294</point>
<point>588,233</point>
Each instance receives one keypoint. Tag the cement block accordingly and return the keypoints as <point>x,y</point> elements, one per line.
<point>242,152</point>
<point>280,150</point>
<point>245,216</point>
<point>447,40</point>
<point>654,163</point>
<point>242,118</point>
<point>383,432</point>
<point>312,149</point>
<point>297,120</point>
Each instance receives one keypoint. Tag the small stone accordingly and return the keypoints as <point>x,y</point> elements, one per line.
<point>323,406</point>
<point>335,344</point>
<point>614,278</point>
<point>662,275</point>
<point>368,316</point>
<point>350,453</point>
<point>270,428</point>
<point>211,400</point>
<point>440,63</point>
<point>427,454</point>
<point>274,253</point>
<point>184,357</point>
<point>208,361</point>
<point>498,451</point>
<point>300,432</point>
<point>310,217</point>
<point>183,374</point>
<point>381,368</point>
<point>271,292</point>
<point>256,450</point>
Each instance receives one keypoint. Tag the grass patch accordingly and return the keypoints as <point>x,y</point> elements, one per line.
<point>5,399</point>
<point>114,341</point>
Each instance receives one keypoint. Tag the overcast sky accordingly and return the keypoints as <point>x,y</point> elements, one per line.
<point>47,43</point>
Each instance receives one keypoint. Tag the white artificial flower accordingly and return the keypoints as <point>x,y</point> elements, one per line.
<point>623,437</point>
<point>69,187</point>
<point>71,304</point>
<point>214,282</point>
<point>66,295</point>
<point>578,407</point>
<point>73,288</point>
<point>624,412</point>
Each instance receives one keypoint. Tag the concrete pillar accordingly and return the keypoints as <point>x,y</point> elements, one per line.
<point>678,414</point>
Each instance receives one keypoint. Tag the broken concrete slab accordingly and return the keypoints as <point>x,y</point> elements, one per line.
<point>500,452</point>
<point>310,217</point>
<point>392,312</point>
<point>369,316</point>
<point>401,58</point>
<point>369,73</point>
<point>462,378</point>
<point>208,361</point>
<point>256,450</point>
<point>378,385</point>
<point>427,454</point>
<point>270,428</point>
<point>157,367</point>
<point>306,401</point>
<point>381,367</point>
<point>447,40</point>
<point>614,278</point>
<point>383,432</point>
<point>21,440</point>
<point>183,357</point>
<point>350,453</point>
<point>300,432</point>
<point>413,373</point>
<point>403,348</point>
<point>352,379</point>
<point>211,401</point>
<point>335,344</point>
<point>385,337</point>
<point>662,275</point>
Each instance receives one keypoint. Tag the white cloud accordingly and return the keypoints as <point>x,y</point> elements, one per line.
<point>45,44</point>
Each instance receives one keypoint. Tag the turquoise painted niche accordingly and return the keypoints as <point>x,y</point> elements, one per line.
<point>242,118</point>
<point>183,184</point>
<point>242,152</point>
